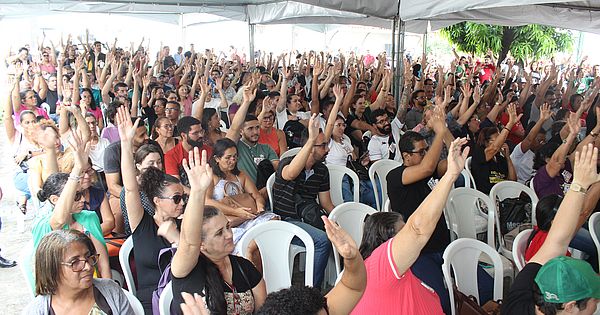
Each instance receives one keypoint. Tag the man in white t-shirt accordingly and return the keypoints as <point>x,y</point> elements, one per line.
<point>382,145</point>
<point>524,153</point>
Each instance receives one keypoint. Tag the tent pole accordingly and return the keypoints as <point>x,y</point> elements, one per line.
<point>399,71</point>
<point>251,28</point>
<point>394,49</point>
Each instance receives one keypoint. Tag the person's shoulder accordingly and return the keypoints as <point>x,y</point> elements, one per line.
<point>106,284</point>
<point>115,146</point>
<point>38,306</point>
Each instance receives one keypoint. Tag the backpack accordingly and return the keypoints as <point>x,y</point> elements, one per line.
<point>164,258</point>
<point>293,133</point>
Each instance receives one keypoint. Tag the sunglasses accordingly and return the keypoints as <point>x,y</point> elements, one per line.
<point>177,198</point>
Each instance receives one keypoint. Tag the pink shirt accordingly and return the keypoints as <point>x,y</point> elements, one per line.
<point>38,111</point>
<point>388,292</point>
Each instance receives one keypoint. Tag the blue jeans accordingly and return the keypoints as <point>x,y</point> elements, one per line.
<point>583,242</point>
<point>366,192</point>
<point>322,249</point>
<point>428,268</point>
<point>20,181</point>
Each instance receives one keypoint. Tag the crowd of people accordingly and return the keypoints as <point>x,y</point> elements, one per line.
<point>176,150</point>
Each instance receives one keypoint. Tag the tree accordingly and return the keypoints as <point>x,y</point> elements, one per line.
<point>525,43</point>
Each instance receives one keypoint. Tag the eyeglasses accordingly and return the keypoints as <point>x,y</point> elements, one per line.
<point>267,117</point>
<point>78,264</point>
<point>177,198</point>
<point>421,152</point>
<point>322,145</point>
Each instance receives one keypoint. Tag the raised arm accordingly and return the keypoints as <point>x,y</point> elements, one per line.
<point>339,96</point>
<point>298,163</point>
<point>428,165</point>
<point>470,110</point>
<point>190,238</point>
<point>345,294</point>
<point>236,125</point>
<point>126,128</point>
<point>565,223</point>
<point>198,106</point>
<point>9,122</point>
<point>62,209</point>
<point>411,239</point>
<point>495,147</point>
<point>554,166</point>
<point>545,114</point>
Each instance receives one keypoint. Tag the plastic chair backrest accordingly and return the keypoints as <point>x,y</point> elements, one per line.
<point>594,226</point>
<point>351,217</point>
<point>273,239</point>
<point>124,254</point>
<point>166,297</point>
<point>466,179</point>
<point>462,256</point>
<point>519,248</point>
<point>26,265</point>
<point>136,305</point>
<point>290,152</point>
<point>269,186</point>
<point>510,189</point>
<point>468,169</point>
<point>336,176</point>
<point>387,206</point>
<point>378,173</point>
<point>461,206</point>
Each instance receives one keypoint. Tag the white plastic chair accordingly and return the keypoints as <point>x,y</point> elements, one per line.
<point>387,206</point>
<point>594,226</point>
<point>469,173</point>
<point>269,186</point>
<point>519,248</point>
<point>26,265</point>
<point>350,216</point>
<point>166,297</point>
<point>378,173</point>
<point>336,176</point>
<point>466,178</point>
<point>290,152</point>
<point>124,254</point>
<point>136,305</point>
<point>510,189</point>
<point>274,239</point>
<point>461,208</point>
<point>463,257</point>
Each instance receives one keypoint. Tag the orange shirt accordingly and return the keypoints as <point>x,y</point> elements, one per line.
<point>270,138</point>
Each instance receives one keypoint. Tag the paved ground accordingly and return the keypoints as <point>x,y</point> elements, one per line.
<point>14,294</point>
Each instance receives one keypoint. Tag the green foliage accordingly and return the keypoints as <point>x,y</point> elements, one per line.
<point>525,42</point>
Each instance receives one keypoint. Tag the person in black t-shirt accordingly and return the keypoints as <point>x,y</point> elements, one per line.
<point>203,263</point>
<point>555,284</point>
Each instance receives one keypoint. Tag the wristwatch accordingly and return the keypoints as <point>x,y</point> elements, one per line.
<point>578,188</point>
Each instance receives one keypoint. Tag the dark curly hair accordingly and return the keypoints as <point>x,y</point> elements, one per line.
<point>297,300</point>
<point>154,181</point>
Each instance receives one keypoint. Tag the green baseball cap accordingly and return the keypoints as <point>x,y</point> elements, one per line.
<point>565,279</point>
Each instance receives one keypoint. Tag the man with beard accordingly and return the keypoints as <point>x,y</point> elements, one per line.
<point>300,179</point>
<point>192,136</point>
<point>381,146</point>
<point>417,105</point>
<point>112,170</point>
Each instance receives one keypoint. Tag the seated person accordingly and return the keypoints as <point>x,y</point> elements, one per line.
<point>300,179</point>
<point>488,165</point>
<point>203,263</point>
<point>551,283</point>
<point>390,248</point>
<point>65,261</point>
<point>229,181</point>
<point>545,212</point>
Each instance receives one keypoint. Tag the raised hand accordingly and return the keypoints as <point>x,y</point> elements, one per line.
<point>125,126</point>
<point>249,92</point>
<point>338,92</point>
<point>585,171</point>
<point>437,121</point>
<point>545,112</point>
<point>457,156</point>
<point>477,94</point>
<point>342,241</point>
<point>513,118</point>
<point>81,150</point>
<point>317,68</point>
<point>574,124</point>
<point>197,169</point>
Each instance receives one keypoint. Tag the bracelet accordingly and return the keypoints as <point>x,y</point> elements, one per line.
<point>74,178</point>
<point>506,129</point>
